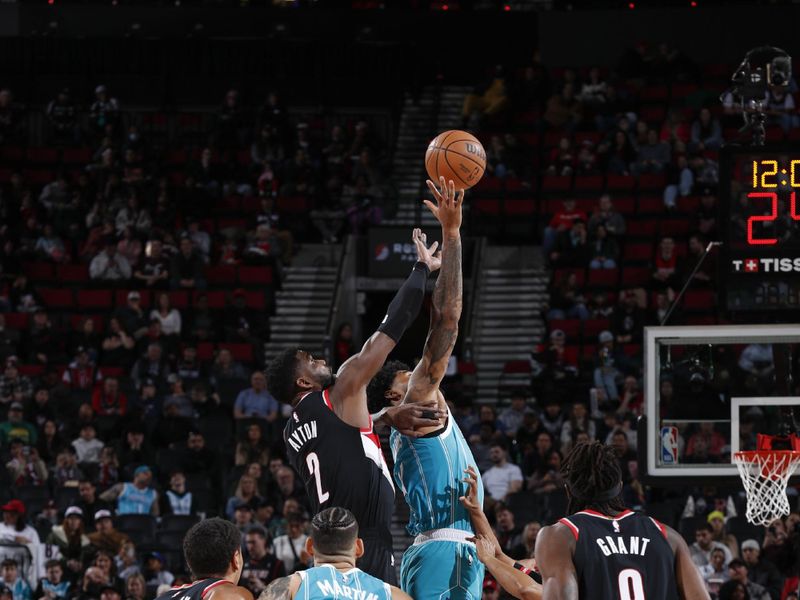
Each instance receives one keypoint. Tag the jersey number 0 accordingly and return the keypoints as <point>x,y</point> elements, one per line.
<point>312,462</point>
<point>631,586</point>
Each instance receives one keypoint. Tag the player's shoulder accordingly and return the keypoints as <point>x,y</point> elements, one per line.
<point>228,592</point>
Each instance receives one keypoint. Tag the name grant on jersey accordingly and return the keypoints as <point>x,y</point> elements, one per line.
<point>610,545</point>
<point>302,434</point>
<point>332,589</point>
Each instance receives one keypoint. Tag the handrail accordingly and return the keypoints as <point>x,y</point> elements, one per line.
<point>348,248</point>
<point>477,257</point>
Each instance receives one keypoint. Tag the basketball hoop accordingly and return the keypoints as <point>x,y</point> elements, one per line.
<point>765,474</point>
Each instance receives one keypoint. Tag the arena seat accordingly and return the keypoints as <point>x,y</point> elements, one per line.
<point>16,320</point>
<point>241,352</point>
<point>39,271</point>
<point>254,276</point>
<point>140,528</point>
<point>570,327</point>
<point>620,182</point>
<point>57,298</point>
<point>603,278</point>
<point>556,183</point>
<point>177,523</point>
<point>94,299</point>
<point>73,273</point>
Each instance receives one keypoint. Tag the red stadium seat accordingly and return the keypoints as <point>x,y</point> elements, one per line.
<point>76,156</point>
<point>520,207</point>
<point>688,204</point>
<point>486,206</point>
<point>635,276</point>
<point>205,351</point>
<point>16,320</point>
<point>255,276</point>
<point>570,327</point>
<point>641,229</point>
<point>255,299</point>
<point>650,205</point>
<point>556,183</point>
<point>638,252</point>
<point>241,352</point>
<point>603,278</point>
<point>232,224</point>
<point>177,299</point>
<point>652,182</point>
<point>674,227</point>
<point>625,204</point>
<point>216,298</point>
<point>593,327</point>
<point>700,300</point>
<point>57,298</point>
<point>73,273</point>
<point>115,372</point>
<point>39,271</point>
<point>620,182</point>
<point>43,155</point>
<point>251,204</point>
<point>562,274</point>
<point>220,275</point>
<point>31,370</point>
<point>293,204</point>
<point>94,299</point>
<point>589,183</point>
<point>517,366</point>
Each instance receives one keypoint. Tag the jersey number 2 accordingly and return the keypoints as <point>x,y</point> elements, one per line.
<point>312,461</point>
<point>631,586</point>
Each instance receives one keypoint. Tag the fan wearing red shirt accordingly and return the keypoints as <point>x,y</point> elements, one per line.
<point>666,263</point>
<point>561,221</point>
<point>107,400</point>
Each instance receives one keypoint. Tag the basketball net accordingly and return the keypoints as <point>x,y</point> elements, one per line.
<point>765,473</point>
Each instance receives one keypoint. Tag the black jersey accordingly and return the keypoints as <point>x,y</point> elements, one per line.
<point>344,466</point>
<point>626,557</point>
<point>197,590</point>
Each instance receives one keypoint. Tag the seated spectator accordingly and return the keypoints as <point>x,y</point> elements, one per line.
<point>177,500</point>
<point>619,153</point>
<point>757,365</point>
<point>609,364</point>
<point>579,420</point>
<point>704,545</point>
<point>509,535</point>
<point>70,539</point>
<point>67,473</point>
<point>707,213</point>
<point>343,344</point>
<point>51,442</point>
<point>268,215</point>
<point>50,246</point>
<point>137,497</point>
<point>737,571</point>
<point>151,366</point>
<point>106,538</point>
<point>186,268</point>
<point>780,108</point>
<point>243,324</point>
<point>135,449</point>
<point>603,250</point>
<point>261,566</point>
<point>562,159</point>
<point>108,468</point>
<point>256,401</point>
<point>130,247</point>
<point>262,247</point>
<point>706,132</point>
<point>9,340</point>
<point>563,110</point>
<point>198,458</point>
<point>135,585</point>
<point>606,215</point>
<point>53,586</point>
<point>25,467</point>
<point>572,247</point>
<point>680,181</point>
<point>290,548</point>
<point>62,115</point>
<point>561,222</point>
<point>717,521</point>
<point>566,301</point>
<point>484,102</point>
<point>653,156</point>
<point>627,320</point>
<point>87,446</point>
<point>538,454</point>
<point>14,529</point>
<point>117,346</point>
<point>632,399</point>
<point>108,400</point>
<point>134,216</point>
<point>43,340</point>
<point>153,272</point>
<point>178,397</point>
<point>704,276</point>
<point>100,576</point>
<point>503,478</point>
<point>715,573</point>
<point>593,90</point>
<point>546,476</point>
<point>512,416</point>
<point>555,363</point>
<point>203,325</point>
<point>109,265</point>
<point>89,503</point>
<point>155,572</point>
<point>11,578</point>
<point>246,493</point>
<point>760,570</point>
<point>15,427</point>
<point>81,373</point>
<point>253,448</point>
<point>103,113</point>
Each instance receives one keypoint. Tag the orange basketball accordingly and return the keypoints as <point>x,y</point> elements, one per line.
<point>455,155</point>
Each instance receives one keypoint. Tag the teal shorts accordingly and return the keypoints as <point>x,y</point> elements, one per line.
<point>442,570</point>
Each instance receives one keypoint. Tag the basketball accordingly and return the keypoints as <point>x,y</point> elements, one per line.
<point>456,155</point>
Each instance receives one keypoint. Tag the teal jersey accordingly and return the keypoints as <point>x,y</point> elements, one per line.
<point>430,471</point>
<point>326,582</point>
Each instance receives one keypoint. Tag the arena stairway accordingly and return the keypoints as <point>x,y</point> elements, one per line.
<point>506,319</point>
<point>304,301</point>
<point>436,110</point>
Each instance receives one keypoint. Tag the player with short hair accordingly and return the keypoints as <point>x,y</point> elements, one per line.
<point>329,437</point>
<point>335,546</point>
<point>605,551</point>
<point>213,551</point>
<point>443,561</point>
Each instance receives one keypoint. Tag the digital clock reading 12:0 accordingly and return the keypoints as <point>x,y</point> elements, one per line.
<point>760,229</point>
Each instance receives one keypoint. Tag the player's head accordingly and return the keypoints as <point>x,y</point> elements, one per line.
<point>593,478</point>
<point>213,548</point>
<point>334,537</point>
<point>389,386</point>
<point>294,372</point>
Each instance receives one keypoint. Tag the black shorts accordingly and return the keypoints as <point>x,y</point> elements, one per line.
<point>378,559</point>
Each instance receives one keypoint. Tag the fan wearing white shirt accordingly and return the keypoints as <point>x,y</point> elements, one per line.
<point>503,478</point>
<point>170,318</point>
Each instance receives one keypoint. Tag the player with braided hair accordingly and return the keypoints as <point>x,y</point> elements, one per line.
<point>604,551</point>
<point>335,546</point>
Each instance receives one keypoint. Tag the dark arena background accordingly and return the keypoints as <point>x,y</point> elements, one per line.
<point>189,187</point>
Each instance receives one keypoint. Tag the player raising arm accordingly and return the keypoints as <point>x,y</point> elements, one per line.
<point>604,551</point>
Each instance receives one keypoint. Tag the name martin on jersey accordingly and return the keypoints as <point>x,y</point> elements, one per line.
<point>332,589</point>
<point>617,545</point>
<point>302,434</point>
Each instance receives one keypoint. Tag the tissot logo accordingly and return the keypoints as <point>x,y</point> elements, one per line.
<point>766,265</point>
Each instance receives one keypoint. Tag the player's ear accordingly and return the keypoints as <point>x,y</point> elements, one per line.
<point>359,547</point>
<point>310,546</point>
<point>303,383</point>
<point>392,396</point>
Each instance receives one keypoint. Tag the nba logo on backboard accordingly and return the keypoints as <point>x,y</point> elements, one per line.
<point>669,445</point>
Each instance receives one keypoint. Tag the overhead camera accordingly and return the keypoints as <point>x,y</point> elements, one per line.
<point>763,68</point>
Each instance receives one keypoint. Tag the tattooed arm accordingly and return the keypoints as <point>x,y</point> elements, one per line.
<point>447,299</point>
<point>283,588</point>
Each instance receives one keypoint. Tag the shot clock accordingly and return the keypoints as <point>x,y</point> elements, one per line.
<point>759,204</point>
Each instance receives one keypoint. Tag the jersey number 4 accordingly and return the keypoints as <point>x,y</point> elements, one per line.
<point>312,462</point>
<point>631,586</point>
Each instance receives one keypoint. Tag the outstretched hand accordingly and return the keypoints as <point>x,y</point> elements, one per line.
<point>470,500</point>
<point>484,546</point>
<point>447,209</point>
<point>409,418</point>
<point>426,255</point>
